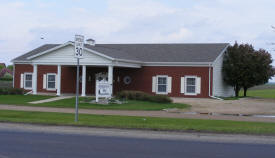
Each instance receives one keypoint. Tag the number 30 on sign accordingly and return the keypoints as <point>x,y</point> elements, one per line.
<point>79,42</point>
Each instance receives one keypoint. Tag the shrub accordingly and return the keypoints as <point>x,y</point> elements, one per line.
<point>138,95</point>
<point>11,91</point>
<point>161,99</point>
<point>6,79</point>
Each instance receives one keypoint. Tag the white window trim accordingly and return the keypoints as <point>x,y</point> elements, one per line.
<point>27,73</point>
<point>157,87</point>
<point>50,89</point>
<point>185,85</point>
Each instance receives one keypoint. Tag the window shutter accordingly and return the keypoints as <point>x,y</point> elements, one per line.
<point>169,85</point>
<point>55,81</point>
<point>154,84</point>
<point>198,85</point>
<point>182,82</point>
<point>44,81</point>
<point>22,81</point>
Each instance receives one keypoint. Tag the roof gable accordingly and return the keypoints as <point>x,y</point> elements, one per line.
<point>65,55</point>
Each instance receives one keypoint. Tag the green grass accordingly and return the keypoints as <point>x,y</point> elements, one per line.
<point>261,93</point>
<point>130,105</point>
<point>21,99</point>
<point>70,103</point>
<point>132,122</point>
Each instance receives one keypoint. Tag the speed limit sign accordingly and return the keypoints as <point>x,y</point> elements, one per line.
<point>78,45</point>
<point>78,51</point>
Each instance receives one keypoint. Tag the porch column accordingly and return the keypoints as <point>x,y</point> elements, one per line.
<point>58,88</point>
<point>34,79</point>
<point>110,77</point>
<point>83,94</point>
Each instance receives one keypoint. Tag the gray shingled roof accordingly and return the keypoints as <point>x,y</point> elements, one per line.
<point>151,52</point>
<point>35,51</point>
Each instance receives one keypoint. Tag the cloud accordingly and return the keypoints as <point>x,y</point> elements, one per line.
<point>135,21</point>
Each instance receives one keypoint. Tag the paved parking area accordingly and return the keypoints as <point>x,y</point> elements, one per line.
<point>241,106</point>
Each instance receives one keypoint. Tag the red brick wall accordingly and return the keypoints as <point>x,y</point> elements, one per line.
<point>141,78</point>
<point>19,69</point>
<point>41,70</point>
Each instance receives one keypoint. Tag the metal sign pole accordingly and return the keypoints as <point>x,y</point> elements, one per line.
<point>77,91</point>
<point>79,46</point>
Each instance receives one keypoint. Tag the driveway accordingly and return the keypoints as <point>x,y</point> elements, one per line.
<point>241,106</point>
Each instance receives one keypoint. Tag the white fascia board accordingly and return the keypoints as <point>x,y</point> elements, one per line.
<point>130,61</point>
<point>222,52</point>
<point>206,64</point>
<point>126,64</point>
<point>92,64</point>
<point>20,62</point>
<point>49,50</point>
<point>114,63</point>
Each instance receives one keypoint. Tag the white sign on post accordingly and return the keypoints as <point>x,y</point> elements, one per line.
<point>78,46</point>
<point>102,90</point>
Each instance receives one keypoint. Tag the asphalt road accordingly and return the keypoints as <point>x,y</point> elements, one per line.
<point>37,144</point>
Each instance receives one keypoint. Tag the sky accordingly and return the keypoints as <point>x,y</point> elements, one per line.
<point>23,23</point>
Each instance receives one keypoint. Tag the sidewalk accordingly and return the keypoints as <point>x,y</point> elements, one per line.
<point>50,99</point>
<point>163,114</point>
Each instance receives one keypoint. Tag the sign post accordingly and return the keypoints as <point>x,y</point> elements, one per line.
<point>78,45</point>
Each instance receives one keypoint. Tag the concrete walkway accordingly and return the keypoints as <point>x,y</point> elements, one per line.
<point>137,113</point>
<point>50,99</point>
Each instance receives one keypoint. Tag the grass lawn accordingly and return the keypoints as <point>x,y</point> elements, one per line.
<point>70,103</point>
<point>21,99</point>
<point>152,123</point>
<point>130,105</point>
<point>262,93</point>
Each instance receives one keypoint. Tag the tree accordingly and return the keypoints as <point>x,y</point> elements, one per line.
<point>231,64</point>
<point>260,69</point>
<point>245,67</point>
<point>1,67</point>
<point>10,67</point>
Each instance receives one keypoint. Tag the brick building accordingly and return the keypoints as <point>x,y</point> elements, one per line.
<point>177,70</point>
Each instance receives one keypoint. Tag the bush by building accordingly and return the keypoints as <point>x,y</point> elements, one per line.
<point>138,95</point>
<point>11,91</point>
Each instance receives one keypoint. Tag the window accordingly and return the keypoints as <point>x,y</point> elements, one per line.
<point>51,81</point>
<point>28,81</point>
<point>162,84</point>
<point>190,85</point>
